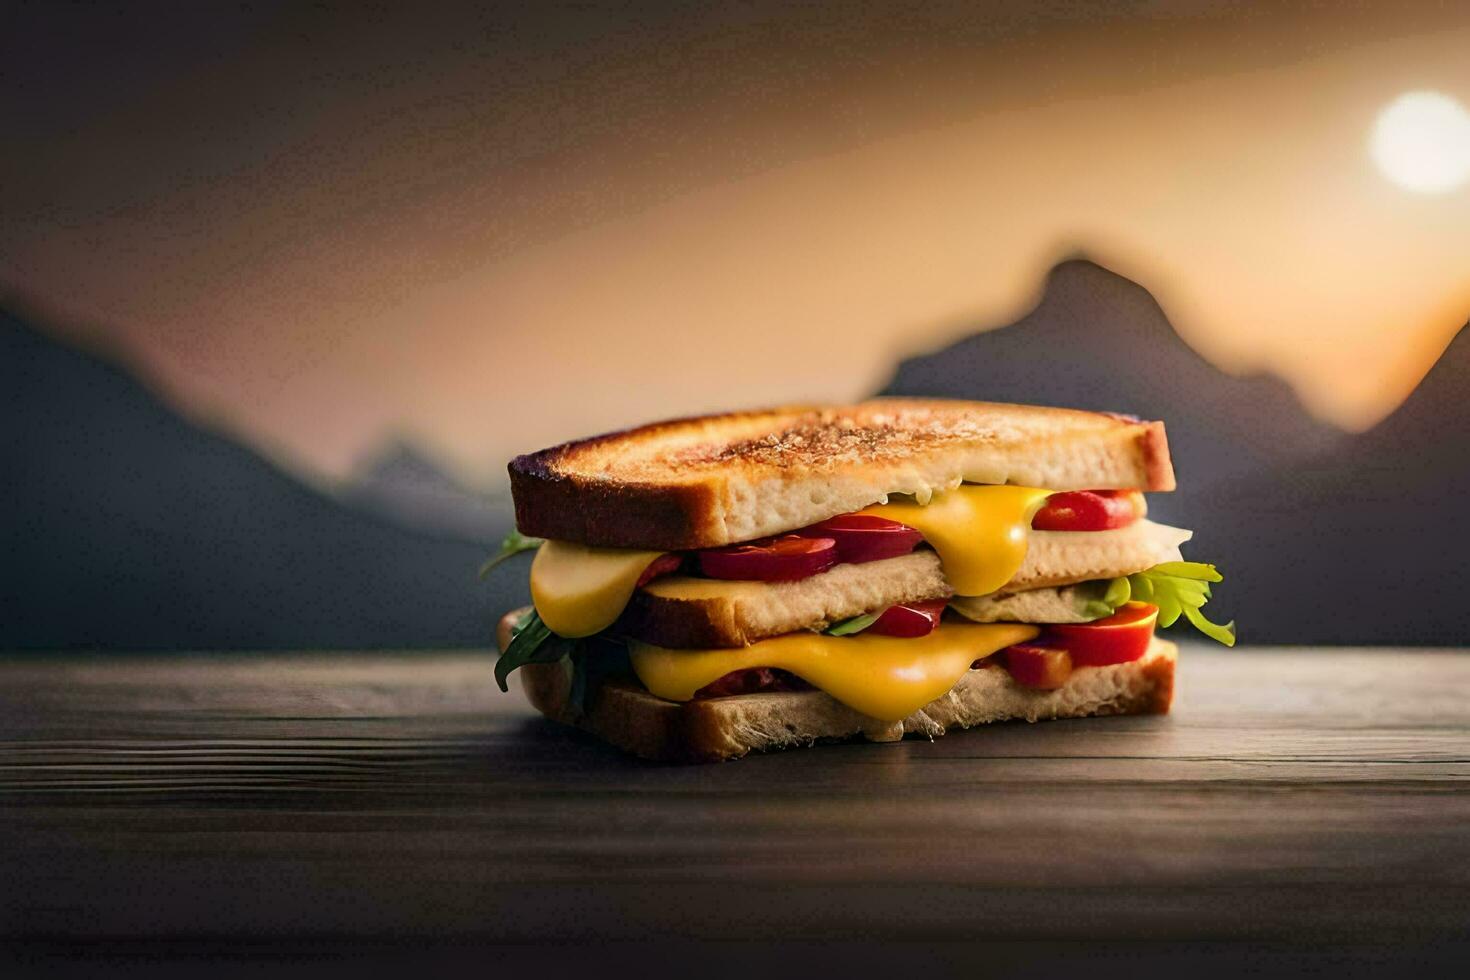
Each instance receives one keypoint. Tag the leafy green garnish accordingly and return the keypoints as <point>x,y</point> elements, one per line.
<point>1222,634</point>
<point>1102,599</point>
<point>1177,588</point>
<point>532,642</point>
<point>591,660</point>
<point>856,624</point>
<point>511,545</point>
<point>1118,592</point>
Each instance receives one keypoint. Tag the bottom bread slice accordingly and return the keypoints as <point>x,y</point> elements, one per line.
<point>715,729</point>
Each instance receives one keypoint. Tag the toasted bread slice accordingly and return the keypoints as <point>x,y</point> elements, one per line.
<point>683,612</point>
<point>726,728</point>
<point>719,479</point>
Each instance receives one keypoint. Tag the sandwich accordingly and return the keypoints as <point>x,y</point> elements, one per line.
<point>709,587</point>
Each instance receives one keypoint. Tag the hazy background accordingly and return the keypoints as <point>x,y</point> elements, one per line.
<point>284,287</point>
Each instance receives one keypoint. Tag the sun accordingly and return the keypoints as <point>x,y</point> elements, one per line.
<point>1421,142</point>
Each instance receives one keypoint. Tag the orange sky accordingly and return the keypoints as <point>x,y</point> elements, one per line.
<point>323,245</point>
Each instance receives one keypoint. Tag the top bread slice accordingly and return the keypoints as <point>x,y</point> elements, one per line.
<point>720,479</point>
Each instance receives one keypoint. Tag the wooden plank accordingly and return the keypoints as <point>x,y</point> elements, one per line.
<point>1294,795</point>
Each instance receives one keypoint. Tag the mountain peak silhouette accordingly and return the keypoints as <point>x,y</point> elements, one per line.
<point>128,527</point>
<point>1437,408</point>
<point>401,483</point>
<point>1099,341</point>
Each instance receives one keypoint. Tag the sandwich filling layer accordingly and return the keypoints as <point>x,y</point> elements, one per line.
<point>981,537</point>
<point>686,611</point>
<point>882,677</point>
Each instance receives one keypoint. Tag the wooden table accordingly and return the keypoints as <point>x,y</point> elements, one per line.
<point>387,808</point>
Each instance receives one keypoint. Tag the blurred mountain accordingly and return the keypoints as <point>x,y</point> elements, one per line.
<point>1324,537</point>
<point>404,486</point>
<point>1366,543</point>
<point>1099,341</point>
<point>127,527</point>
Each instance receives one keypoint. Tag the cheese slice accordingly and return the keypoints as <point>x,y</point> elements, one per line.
<point>980,532</point>
<point>579,590</point>
<point>884,677</point>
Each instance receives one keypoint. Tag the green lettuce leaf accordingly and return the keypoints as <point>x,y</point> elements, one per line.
<point>856,624</point>
<point>1120,590</point>
<point>1223,634</point>
<point>1187,569</point>
<point>1179,589</point>
<point>532,642</point>
<point>590,661</point>
<point>511,545</point>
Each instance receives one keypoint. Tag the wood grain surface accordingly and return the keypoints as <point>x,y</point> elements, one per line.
<point>388,805</point>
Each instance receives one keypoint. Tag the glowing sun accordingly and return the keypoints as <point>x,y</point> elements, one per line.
<point>1421,142</point>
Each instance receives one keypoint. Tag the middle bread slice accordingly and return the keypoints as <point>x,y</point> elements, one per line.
<point>690,613</point>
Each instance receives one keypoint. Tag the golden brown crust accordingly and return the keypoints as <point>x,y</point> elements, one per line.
<point>1157,463</point>
<point>711,480</point>
<point>1159,697</point>
<point>627,716</point>
<point>684,624</point>
<point>570,507</point>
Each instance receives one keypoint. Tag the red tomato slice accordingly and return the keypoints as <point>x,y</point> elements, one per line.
<point>1042,667</point>
<point>909,621</point>
<point>659,567</point>
<point>1118,639</point>
<point>865,537</point>
<point>783,559</point>
<point>1089,510</point>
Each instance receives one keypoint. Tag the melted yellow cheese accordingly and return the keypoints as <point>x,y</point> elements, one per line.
<point>578,590</point>
<point>883,677</point>
<point>980,532</point>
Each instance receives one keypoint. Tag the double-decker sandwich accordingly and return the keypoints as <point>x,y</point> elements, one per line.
<point>708,587</point>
